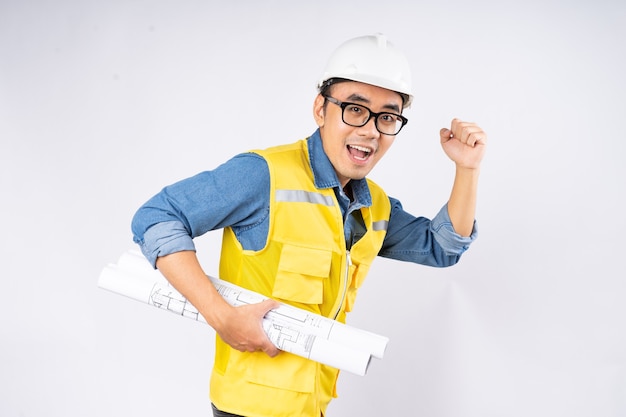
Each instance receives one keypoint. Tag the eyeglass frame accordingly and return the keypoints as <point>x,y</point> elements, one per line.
<point>344,104</point>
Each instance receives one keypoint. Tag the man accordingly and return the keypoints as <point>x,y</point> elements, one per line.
<point>302,225</point>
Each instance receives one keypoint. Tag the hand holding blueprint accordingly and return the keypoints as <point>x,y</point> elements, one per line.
<point>291,329</point>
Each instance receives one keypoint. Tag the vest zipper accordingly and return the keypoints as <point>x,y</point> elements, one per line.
<point>345,284</point>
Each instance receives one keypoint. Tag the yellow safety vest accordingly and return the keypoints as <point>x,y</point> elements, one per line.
<point>305,264</point>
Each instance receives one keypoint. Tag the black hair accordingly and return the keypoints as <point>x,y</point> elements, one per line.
<point>324,88</point>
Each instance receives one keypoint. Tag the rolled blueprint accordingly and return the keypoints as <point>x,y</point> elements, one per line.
<point>291,329</point>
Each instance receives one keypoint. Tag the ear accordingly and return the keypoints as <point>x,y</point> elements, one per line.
<point>319,112</point>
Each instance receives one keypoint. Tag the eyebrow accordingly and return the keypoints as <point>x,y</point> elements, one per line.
<point>360,99</point>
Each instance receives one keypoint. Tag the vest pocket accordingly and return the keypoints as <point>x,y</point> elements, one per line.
<point>301,274</point>
<point>284,371</point>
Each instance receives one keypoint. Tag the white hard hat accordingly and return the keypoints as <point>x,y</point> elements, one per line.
<point>371,60</point>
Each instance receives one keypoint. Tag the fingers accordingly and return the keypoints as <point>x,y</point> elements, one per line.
<point>466,132</point>
<point>251,336</point>
<point>267,305</point>
<point>270,350</point>
<point>445,134</point>
<point>267,346</point>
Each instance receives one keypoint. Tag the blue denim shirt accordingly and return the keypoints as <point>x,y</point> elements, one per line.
<point>237,194</point>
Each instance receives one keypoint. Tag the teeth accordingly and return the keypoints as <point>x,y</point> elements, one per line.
<point>361,148</point>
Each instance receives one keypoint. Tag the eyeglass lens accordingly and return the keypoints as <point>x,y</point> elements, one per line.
<point>386,123</point>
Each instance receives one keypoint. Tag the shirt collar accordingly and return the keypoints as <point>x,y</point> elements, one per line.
<point>324,174</point>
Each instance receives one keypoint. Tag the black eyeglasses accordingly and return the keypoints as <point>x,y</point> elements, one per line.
<point>357,115</point>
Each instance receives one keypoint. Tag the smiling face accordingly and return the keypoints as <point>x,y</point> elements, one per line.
<point>354,151</point>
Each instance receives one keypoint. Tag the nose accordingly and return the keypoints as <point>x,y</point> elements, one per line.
<point>369,129</point>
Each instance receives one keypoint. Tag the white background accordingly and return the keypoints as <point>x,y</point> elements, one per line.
<point>102,103</point>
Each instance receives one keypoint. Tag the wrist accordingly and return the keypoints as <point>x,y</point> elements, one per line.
<point>467,171</point>
<point>216,312</point>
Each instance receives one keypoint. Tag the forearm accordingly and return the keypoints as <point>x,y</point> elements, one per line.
<point>462,202</point>
<point>240,327</point>
<point>464,143</point>
<point>183,271</point>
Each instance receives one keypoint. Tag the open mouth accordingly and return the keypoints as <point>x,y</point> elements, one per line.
<point>360,153</point>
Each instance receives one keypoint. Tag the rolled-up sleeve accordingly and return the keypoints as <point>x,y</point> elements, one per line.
<point>450,241</point>
<point>163,239</point>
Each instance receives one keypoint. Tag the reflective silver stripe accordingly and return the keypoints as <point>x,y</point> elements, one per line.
<point>380,225</point>
<point>299,196</point>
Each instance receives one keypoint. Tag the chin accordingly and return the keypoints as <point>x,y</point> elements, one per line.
<point>359,175</point>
